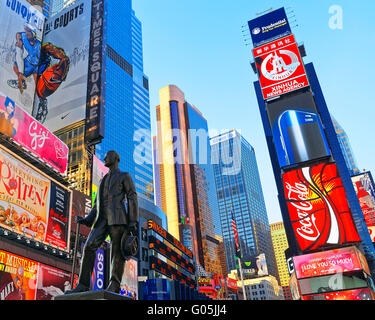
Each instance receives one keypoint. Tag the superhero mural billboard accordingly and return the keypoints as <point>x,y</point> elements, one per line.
<point>318,208</point>
<point>21,32</point>
<point>60,98</point>
<point>25,279</point>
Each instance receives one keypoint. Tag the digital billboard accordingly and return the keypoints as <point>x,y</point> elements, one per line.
<point>297,130</point>
<point>60,98</point>
<point>129,282</point>
<point>25,279</point>
<point>359,294</point>
<point>31,135</point>
<point>280,67</point>
<point>329,262</point>
<point>269,26</point>
<point>317,206</point>
<point>21,26</point>
<point>31,204</point>
<point>365,189</point>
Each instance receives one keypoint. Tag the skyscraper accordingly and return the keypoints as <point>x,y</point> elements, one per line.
<point>187,185</point>
<point>239,191</point>
<point>345,147</point>
<point>127,111</point>
<point>280,244</point>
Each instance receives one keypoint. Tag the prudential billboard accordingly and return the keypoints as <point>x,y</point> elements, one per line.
<point>269,27</point>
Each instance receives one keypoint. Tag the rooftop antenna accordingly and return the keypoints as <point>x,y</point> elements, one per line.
<point>265,11</point>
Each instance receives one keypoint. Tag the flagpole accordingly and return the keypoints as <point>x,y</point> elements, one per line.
<point>243,286</point>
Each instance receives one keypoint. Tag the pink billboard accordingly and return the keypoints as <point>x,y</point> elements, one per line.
<point>31,135</point>
<point>329,262</point>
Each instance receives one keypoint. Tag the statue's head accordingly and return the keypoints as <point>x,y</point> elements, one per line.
<point>111,158</point>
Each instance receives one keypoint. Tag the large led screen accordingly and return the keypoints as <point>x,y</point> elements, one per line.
<point>21,32</point>
<point>280,67</point>
<point>329,262</point>
<point>365,189</point>
<point>61,90</point>
<point>297,130</point>
<point>317,206</point>
<point>31,204</point>
<point>359,294</point>
<point>25,279</point>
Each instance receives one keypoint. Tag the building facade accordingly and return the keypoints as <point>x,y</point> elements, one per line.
<point>345,147</point>
<point>280,244</point>
<point>239,192</point>
<point>187,187</point>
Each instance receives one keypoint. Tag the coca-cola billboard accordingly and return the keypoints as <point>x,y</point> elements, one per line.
<point>318,208</point>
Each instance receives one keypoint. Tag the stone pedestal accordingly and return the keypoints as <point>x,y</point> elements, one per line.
<point>92,295</point>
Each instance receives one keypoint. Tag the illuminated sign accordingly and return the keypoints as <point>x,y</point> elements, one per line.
<point>297,130</point>
<point>170,254</point>
<point>318,208</point>
<point>158,229</point>
<point>170,272</point>
<point>269,26</point>
<point>31,204</point>
<point>359,294</point>
<point>280,67</point>
<point>329,262</point>
<point>365,189</point>
<point>25,279</point>
<point>94,132</point>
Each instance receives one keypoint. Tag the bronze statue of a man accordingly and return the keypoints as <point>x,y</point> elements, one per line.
<point>109,217</point>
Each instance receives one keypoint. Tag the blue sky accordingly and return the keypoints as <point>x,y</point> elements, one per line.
<point>200,46</point>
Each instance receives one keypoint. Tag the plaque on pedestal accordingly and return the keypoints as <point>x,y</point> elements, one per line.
<point>92,295</point>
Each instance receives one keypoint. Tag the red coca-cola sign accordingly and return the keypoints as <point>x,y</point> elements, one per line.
<point>318,208</point>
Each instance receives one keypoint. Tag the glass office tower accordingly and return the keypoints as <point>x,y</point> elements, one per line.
<point>127,106</point>
<point>239,191</point>
<point>345,147</point>
<point>187,187</point>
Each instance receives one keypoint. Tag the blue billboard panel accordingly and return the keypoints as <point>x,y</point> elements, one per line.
<point>269,27</point>
<point>297,130</point>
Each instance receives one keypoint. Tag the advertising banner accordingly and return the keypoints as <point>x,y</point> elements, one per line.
<point>95,103</point>
<point>129,282</point>
<point>58,219</point>
<point>25,279</point>
<point>30,134</point>
<point>318,208</point>
<point>97,280</point>
<point>21,27</point>
<point>328,262</point>
<point>31,204</point>
<point>269,26</point>
<point>99,170</point>
<point>359,294</point>
<point>365,189</point>
<point>297,130</point>
<point>61,89</point>
<point>81,206</point>
<point>280,67</point>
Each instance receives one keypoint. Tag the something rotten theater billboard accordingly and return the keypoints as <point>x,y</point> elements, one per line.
<point>32,204</point>
<point>60,98</point>
<point>317,206</point>
<point>24,130</point>
<point>280,67</point>
<point>21,31</point>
